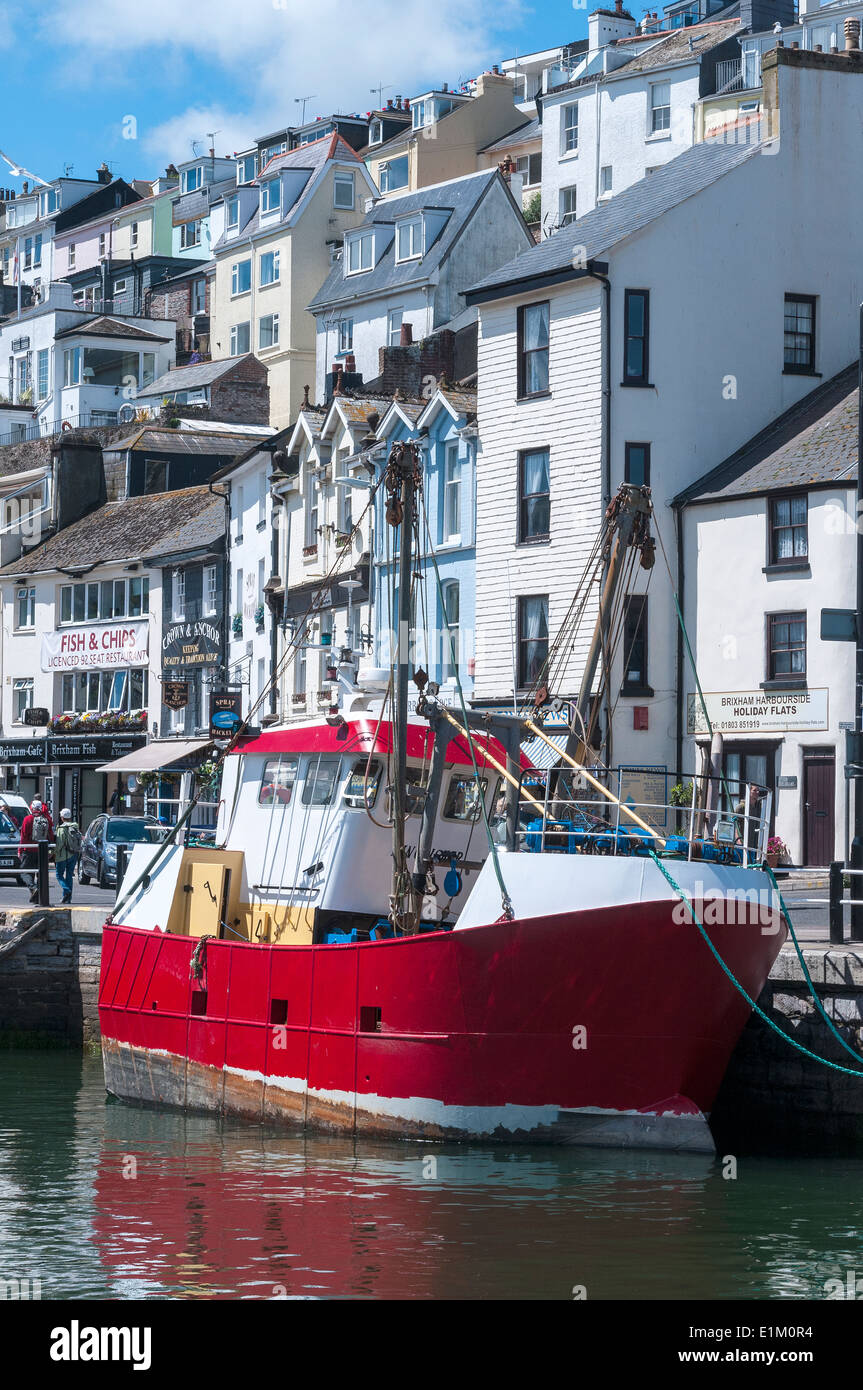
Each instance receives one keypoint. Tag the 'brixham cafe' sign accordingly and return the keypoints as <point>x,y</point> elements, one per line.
<point>77,748</point>
<point>760,712</point>
<point>191,644</point>
<point>90,648</point>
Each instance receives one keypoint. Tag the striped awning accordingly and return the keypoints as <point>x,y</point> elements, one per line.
<point>539,753</point>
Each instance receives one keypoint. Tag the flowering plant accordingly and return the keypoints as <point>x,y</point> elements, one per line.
<point>777,846</point>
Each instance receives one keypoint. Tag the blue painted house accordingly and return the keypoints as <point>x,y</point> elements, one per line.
<point>445,427</point>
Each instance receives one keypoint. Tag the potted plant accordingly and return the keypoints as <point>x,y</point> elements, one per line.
<point>259,616</point>
<point>237,625</point>
<point>681,794</point>
<point>776,851</point>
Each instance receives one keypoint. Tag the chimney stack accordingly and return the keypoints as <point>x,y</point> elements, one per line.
<point>103,173</point>
<point>618,6</point>
<point>852,35</point>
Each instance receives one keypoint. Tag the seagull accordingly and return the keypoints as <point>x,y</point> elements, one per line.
<point>21,173</point>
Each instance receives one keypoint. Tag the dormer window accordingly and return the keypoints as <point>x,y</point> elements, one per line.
<point>270,196</point>
<point>393,174</point>
<point>193,178</point>
<point>409,239</point>
<point>360,253</point>
<point>50,202</point>
<point>376,132</point>
<point>418,114</point>
<point>233,215</point>
<point>246,169</point>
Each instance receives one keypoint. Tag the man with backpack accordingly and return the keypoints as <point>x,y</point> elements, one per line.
<point>66,853</point>
<point>35,828</point>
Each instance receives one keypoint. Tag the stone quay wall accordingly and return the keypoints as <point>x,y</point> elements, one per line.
<point>49,984</point>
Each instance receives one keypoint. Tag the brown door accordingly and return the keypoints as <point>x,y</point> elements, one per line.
<point>819,797</point>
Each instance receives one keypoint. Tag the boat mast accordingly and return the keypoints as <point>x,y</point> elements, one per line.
<point>629,514</point>
<point>403,479</point>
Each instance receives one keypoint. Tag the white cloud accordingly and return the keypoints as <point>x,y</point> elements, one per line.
<point>273,51</point>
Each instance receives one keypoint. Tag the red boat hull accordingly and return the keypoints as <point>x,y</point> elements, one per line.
<point>609,1026</point>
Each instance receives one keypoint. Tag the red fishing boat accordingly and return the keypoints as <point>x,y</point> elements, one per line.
<point>349,958</point>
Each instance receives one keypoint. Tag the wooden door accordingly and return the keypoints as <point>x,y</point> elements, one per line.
<point>819,800</point>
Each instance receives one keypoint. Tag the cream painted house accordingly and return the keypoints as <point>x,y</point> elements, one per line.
<point>448,131</point>
<point>280,234</point>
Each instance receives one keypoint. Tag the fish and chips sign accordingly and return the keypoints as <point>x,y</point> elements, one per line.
<point>96,647</point>
<point>191,644</point>
<point>760,712</point>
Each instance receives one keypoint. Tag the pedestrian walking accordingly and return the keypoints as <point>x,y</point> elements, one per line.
<point>35,827</point>
<point>66,852</point>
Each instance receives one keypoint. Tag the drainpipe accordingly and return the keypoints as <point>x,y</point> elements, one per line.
<point>226,577</point>
<point>606,458</point>
<point>679,513</point>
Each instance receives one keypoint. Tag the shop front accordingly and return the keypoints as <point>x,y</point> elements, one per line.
<point>64,770</point>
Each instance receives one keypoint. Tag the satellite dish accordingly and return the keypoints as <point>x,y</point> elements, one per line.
<point>126,414</point>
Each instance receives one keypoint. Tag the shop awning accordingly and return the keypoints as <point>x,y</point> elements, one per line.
<point>160,753</point>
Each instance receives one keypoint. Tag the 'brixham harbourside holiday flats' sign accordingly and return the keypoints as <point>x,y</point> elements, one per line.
<point>760,711</point>
<point>95,647</point>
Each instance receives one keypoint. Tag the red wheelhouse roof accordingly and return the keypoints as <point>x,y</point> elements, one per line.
<point>358,736</point>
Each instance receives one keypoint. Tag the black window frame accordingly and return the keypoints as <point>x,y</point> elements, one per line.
<point>644,378</point>
<point>522,353</point>
<point>636,629</point>
<point>627,467</point>
<point>524,683</point>
<point>800,368</point>
<point>795,680</point>
<point>523,498</point>
<point>792,561</point>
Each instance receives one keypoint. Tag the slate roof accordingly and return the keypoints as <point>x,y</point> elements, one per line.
<point>355,410</point>
<point>105,327</point>
<point>311,157</point>
<point>672,47</point>
<point>148,440</point>
<point>814,442</point>
<point>139,528</point>
<point>460,196</point>
<point>531,130</point>
<point>189,378</point>
<point>622,216</point>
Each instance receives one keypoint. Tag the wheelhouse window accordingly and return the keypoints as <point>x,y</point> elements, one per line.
<point>320,784</point>
<point>800,334</point>
<point>636,314</point>
<point>415,793</point>
<point>570,128</point>
<point>660,107</point>
<point>464,798</point>
<point>789,530</point>
<point>533,338</point>
<point>636,467</point>
<point>534,513</point>
<point>635,646</point>
<point>277,781</point>
<point>532,638</point>
<point>786,647</point>
<point>363,783</point>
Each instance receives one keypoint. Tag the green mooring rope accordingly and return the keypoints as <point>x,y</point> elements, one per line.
<point>849,1071</point>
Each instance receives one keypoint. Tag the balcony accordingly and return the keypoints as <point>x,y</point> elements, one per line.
<point>733,75</point>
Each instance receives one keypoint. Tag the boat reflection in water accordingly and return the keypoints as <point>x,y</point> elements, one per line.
<point>185,1207</point>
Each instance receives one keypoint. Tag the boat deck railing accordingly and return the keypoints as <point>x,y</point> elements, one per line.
<point>552,819</point>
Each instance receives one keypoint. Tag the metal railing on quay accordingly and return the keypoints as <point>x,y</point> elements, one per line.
<point>837,875</point>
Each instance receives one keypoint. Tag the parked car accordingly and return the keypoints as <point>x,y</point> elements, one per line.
<point>16,807</point>
<point>104,835</point>
<point>10,838</point>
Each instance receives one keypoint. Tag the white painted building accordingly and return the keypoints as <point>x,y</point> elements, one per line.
<point>769,542</point>
<point>72,365</point>
<point>403,270</point>
<point>705,346</point>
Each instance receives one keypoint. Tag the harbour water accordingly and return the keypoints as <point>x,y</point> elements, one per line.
<point>100,1201</point>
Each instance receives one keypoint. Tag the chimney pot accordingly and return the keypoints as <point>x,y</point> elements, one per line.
<point>496,69</point>
<point>795,44</point>
<point>852,35</point>
<point>25,186</point>
<point>618,6</point>
<point>818,48</point>
<point>407,335</point>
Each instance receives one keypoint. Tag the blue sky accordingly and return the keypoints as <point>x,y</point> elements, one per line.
<point>74,74</point>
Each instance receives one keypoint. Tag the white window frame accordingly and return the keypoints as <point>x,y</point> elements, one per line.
<point>210,590</point>
<point>605,182</point>
<point>657,107</point>
<point>232,215</point>
<point>376,132</point>
<point>121,286</point>
<point>22,685</point>
<point>274,331</point>
<point>43,356</point>
<point>133,235</point>
<point>451,494</point>
<point>236,289</point>
<point>235,338</point>
<point>343,181</point>
<point>364,244</point>
<point>345,330</point>
<point>409,230</point>
<point>569,128</point>
<point>178,596</point>
<point>567,215</point>
<point>193,179</point>
<point>193,292</point>
<point>190,238</point>
<point>103,245</point>
<point>395,319</point>
<point>71,254</point>
<point>274,258</point>
<point>25,594</point>
<point>270,202</point>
